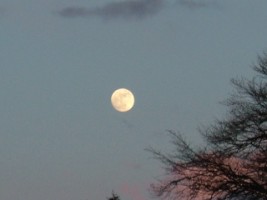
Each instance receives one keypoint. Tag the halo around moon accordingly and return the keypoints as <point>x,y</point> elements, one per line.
<point>122,100</point>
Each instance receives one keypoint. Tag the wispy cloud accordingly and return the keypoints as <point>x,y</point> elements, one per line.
<point>125,9</point>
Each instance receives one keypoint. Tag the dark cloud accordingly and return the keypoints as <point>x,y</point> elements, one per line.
<point>124,9</point>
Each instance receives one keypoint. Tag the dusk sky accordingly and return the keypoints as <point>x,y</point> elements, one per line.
<point>60,61</point>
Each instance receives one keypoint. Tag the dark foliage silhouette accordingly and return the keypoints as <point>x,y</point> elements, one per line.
<point>114,197</point>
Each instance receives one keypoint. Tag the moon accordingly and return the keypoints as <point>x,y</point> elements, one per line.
<point>122,100</point>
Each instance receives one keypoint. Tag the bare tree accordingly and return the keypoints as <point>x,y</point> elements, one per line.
<point>233,164</point>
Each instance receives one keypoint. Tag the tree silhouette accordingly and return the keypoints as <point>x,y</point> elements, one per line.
<point>233,164</point>
<point>114,197</point>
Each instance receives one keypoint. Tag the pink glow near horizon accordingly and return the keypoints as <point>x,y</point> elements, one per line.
<point>208,176</point>
<point>134,192</point>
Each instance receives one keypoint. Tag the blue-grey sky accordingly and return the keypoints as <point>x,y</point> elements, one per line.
<point>60,61</point>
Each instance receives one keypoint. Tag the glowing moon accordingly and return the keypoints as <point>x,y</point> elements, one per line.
<point>122,100</point>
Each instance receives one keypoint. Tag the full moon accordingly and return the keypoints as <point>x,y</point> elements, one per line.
<point>122,100</point>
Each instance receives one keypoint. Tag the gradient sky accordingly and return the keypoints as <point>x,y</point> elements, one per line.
<point>60,61</point>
